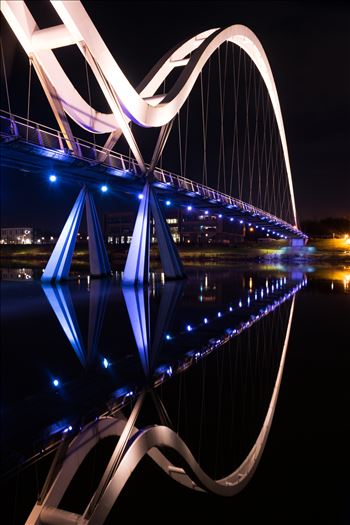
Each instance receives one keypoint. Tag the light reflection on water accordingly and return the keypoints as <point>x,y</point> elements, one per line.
<point>91,335</point>
<point>104,344</point>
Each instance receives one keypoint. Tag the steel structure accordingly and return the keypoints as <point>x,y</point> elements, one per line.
<point>142,106</point>
<point>134,443</point>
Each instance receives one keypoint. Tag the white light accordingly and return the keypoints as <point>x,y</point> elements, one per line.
<point>240,304</point>
<point>240,222</point>
<point>168,337</point>
<point>55,382</point>
<point>220,216</point>
<point>168,203</point>
<point>231,219</point>
<point>205,320</point>
<point>105,363</point>
<point>104,188</point>
<point>189,208</point>
<point>52,178</point>
<point>230,308</point>
<point>206,212</point>
<point>140,196</point>
<point>219,314</point>
<point>188,328</point>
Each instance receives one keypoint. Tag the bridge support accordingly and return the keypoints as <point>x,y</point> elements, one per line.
<point>297,242</point>
<point>137,265</point>
<point>57,269</point>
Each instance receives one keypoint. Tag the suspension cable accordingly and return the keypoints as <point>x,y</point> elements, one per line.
<point>5,76</point>
<point>89,92</point>
<point>28,95</point>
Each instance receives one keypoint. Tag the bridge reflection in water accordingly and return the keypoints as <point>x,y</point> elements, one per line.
<point>194,388</point>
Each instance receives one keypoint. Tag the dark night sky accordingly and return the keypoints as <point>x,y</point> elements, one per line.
<point>307,44</point>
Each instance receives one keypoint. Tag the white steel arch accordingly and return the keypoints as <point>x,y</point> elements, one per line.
<point>126,102</point>
<point>151,441</point>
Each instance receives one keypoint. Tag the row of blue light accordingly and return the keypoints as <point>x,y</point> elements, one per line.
<point>247,324</point>
<point>267,231</point>
<point>104,189</point>
<point>53,178</point>
<point>168,370</point>
<point>277,284</point>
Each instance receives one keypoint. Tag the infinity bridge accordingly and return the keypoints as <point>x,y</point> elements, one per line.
<point>257,171</point>
<point>32,147</point>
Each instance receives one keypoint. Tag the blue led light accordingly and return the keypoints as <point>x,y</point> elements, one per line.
<point>105,362</point>
<point>56,382</point>
<point>189,208</point>
<point>168,337</point>
<point>189,328</point>
<point>240,222</point>
<point>140,196</point>
<point>240,304</point>
<point>206,212</point>
<point>52,178</point>
<point>104,188</point>
<point>205,320</point>
<point>167,203</point>
<point>230,308</point>
<point>219,314</point>
<point>231,219</point>
<point>220,215</point>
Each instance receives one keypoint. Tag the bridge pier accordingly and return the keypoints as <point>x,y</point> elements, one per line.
<point>297,242</point>
<point>58,266</point>
<point>137,264</point>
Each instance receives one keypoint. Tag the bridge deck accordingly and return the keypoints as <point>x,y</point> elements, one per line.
<point>30,147</point>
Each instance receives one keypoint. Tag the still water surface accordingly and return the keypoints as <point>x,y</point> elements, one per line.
<point>207,352</point>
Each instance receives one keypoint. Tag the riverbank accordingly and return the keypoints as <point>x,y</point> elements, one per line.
<point>320,251</point>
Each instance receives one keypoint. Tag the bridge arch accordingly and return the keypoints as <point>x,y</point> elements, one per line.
<point>127,103</point>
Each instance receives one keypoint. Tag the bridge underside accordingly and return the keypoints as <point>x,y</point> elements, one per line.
<point>19,154</point>
<point>22,156</point>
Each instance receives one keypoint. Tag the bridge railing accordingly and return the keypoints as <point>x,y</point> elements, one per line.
<point>17,127</point>
<point>20,128</point>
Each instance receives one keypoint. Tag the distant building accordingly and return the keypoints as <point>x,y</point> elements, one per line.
<point>186,226</point>
<point>23,235</point>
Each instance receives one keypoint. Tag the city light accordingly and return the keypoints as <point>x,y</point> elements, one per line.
<point>56,382</point>
<point>104,188</point>
<point>189,208</point>
<point>205,320</point>
<point>167,203</point>
<point>168,337</point>
<point>52,178</point>
<point>105,363</point>
<point>140,196</point>
<point>189,328</point>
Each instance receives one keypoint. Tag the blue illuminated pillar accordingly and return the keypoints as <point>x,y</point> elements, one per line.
<point>57,269</point>
<point>61,302</point>
<point>137,303</point>
<point>137,264</point>
<point>169,255</point>
<point>60,261</point>
<point>99,263</point>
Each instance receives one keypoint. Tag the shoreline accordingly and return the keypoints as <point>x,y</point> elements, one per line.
<point>322,251</point>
